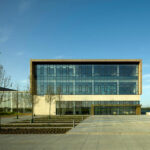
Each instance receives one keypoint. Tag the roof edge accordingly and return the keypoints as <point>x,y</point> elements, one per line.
<point>86,60</point>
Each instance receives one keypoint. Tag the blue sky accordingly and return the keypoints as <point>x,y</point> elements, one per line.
<point>74,29</point>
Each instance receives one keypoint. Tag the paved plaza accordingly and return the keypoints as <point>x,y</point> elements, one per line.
<point>94,133</point>
<point>9,119</point>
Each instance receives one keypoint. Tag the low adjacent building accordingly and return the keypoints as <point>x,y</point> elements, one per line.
<point>9,97</point>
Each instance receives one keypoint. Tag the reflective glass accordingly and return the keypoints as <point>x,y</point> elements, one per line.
<point>84,107</point>
<point>87,79</point>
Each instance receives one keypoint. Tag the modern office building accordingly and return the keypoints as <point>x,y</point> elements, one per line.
<point>95,86</point>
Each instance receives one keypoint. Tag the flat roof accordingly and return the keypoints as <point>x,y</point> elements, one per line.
<point>6,89</point>
<point>85,60</point>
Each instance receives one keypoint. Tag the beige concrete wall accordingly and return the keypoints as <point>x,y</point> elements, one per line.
<point>42,107</point>
<point>100,97</point>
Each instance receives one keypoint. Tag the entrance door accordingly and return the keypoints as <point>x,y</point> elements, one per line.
<point>101,110</point>
<point>105,110</point>
<point>114,110</point>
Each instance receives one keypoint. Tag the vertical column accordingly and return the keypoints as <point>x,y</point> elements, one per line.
<point>92,79</point>
<point>138,110</point>
<point>74,108</point>
<point>118,80</point>
<point>92,109</point>
<point>54,78</point>
<point>139,81</point>
<point>74,75</point>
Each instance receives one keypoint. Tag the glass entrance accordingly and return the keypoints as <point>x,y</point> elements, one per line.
<point>114,110</point>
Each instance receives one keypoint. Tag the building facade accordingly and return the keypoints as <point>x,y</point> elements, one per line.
<point>90,87</point>
<point>9,99</point>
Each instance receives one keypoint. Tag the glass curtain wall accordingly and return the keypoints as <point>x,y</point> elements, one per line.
<point>87,79</point>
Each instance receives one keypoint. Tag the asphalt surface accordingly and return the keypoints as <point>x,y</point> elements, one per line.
<point>94,133</point>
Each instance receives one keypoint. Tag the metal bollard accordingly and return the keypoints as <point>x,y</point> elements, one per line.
<point>82,118</point>
<point>32,120</point>
<point>0,122</point>
<point>73,123</point>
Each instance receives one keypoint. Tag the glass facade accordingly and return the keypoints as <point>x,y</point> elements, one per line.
<point>115,110</point>
<point>100,108</point>
<point>87,79</point>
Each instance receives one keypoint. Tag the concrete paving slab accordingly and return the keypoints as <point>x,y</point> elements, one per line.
<point>6,120</point>
<point>94,133</point>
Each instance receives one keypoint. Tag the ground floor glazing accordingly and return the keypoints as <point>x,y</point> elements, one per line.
<point>97,107</point>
